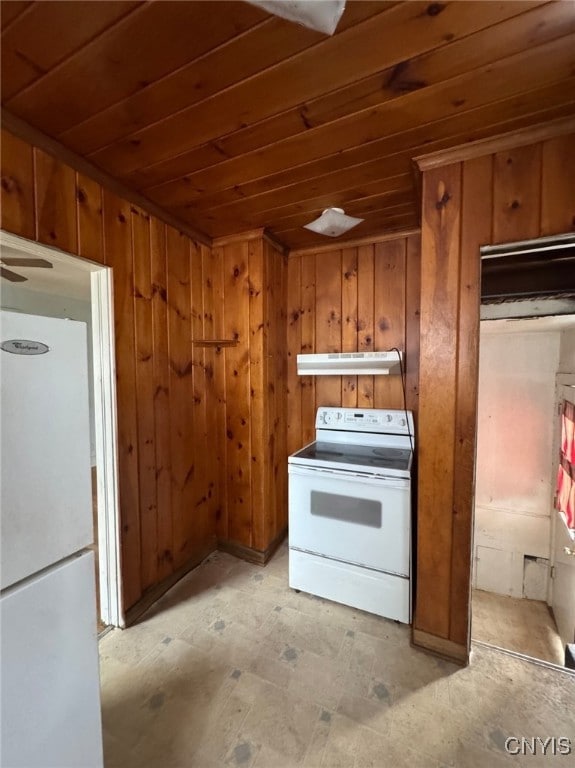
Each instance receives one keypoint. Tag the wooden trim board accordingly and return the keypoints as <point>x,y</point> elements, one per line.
<point>158,590</point>
<point>440,646</point>
<point>33,136</point>
<point>336,244</point>
<point>280,247</point>
<point>504,141</point>
<point>252,555</point>
<point>250,234</point>
<point>217,343</point>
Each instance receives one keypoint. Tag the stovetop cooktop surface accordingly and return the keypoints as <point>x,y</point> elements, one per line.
<point>380,457</point>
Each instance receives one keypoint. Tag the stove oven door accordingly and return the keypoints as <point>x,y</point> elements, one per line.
<point>359,519</point>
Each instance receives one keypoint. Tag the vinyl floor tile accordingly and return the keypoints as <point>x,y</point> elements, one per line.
<point>232,668</point>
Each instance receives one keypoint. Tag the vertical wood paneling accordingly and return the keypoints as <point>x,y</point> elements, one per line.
<point>203,384</point>
<point>308,344</point>
<point>365,319</point>
<point>260,459</point>
<point>119,256</point>
<point>161,404</point>
<point>214,281</point>
<point>376,295</point>
<point>55,187</point>
<point>476,209</point>
<point>90,229</point>
<point>558,186</point>
<point>437,398</point>
<point>145,396</point>
<point>517,194</point>
<point>349,321</point>
<point>389,314</point>
<point>280,356</point>
<point>272,386</point>
<point>265,521</point>
<point>328,322</point>
<point>236,326</point>
<point>17,187</point>
<point>167,516</point>
<point>412,312</point>
<point>294,343</point>
<point>253,391</point>
<point>202,513</point>
<point>181,393</point>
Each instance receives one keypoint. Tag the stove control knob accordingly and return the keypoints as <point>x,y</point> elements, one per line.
<point>389,417</point>
<point>402,422</point>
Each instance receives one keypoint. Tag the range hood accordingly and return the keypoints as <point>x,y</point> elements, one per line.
<point>354,363</point>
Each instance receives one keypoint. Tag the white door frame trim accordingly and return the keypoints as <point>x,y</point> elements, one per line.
<point>106,434</point>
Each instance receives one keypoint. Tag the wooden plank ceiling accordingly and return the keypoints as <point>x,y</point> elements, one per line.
<point>232,119</point>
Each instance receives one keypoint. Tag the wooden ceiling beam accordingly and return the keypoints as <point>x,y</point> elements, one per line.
<point>38,139</point>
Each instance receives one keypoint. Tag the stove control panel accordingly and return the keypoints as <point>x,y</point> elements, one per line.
<point>365,420</point>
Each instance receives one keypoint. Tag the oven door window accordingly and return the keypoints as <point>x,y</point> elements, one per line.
<point>346,509</point>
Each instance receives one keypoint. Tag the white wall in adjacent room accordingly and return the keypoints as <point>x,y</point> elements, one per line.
<point>567,351</point>
<point>517,372</point>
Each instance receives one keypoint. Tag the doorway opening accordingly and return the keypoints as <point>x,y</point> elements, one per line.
<point>526,356</point>
<point>77,289</point>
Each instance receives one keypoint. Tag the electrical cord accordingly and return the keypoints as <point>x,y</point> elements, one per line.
<point>402,372</point>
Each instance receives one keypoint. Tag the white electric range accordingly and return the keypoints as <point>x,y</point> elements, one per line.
<point>350,510</point>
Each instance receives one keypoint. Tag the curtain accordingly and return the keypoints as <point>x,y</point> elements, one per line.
<point>565,496</point>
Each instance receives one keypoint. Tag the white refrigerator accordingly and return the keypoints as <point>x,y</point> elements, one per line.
<point>49,676</point>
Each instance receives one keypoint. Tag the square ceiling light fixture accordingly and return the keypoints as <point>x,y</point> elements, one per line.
<point>333,222</point>
<point>321,15</point>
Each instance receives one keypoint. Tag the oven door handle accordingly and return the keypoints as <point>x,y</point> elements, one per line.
<point>390,481</point>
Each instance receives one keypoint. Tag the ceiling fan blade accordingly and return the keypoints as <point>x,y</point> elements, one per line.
<point>16,261</point>
<point>7,274</point>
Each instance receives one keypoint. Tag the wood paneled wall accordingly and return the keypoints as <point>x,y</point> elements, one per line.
<point>248,279</point>
<point>169,486</point>
<point>361,298</point>
<point>517,194</point>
